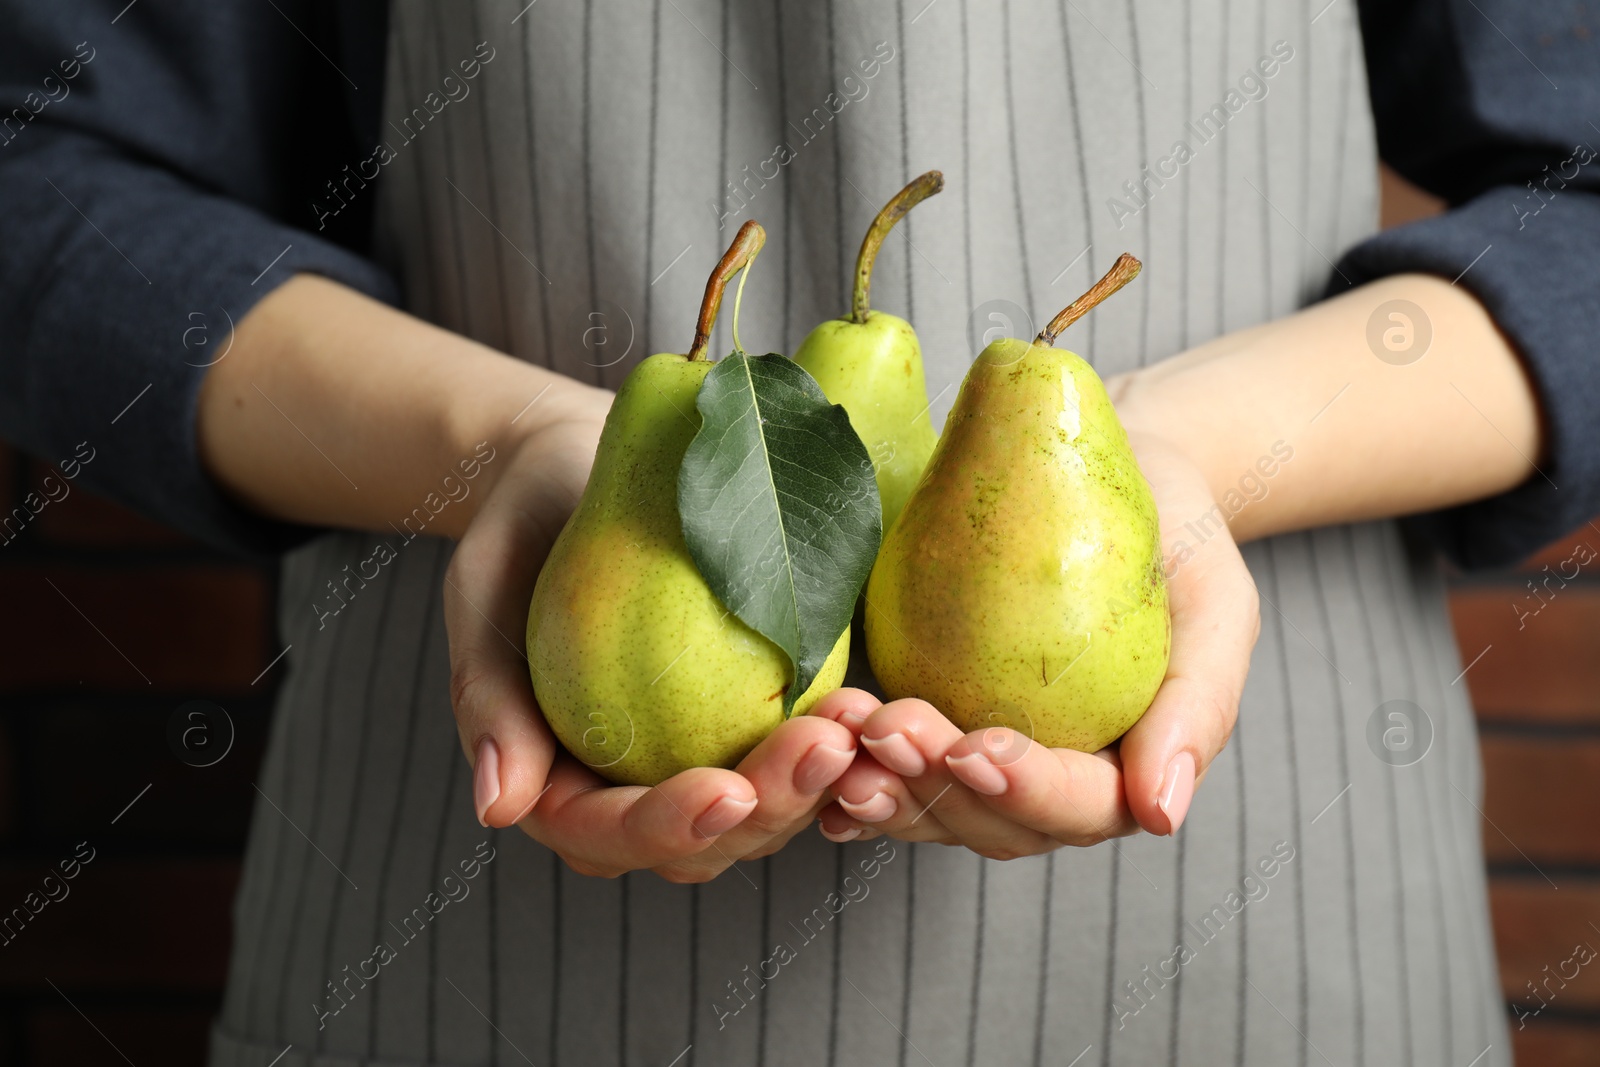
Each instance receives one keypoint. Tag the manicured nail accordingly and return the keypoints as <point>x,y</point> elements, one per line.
<point>486,779</point>
<point>820,767</point>
<point>840,838</point>
<point>876,808</point>
<point>723,816</point>
<point>531,805</point>
<point>853,719</point>
<point>978,773</point>
<point>897,753</point>
<point>1177,790</point>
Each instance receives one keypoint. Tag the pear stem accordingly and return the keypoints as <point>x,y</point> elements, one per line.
<point>740,254</point>
<point>738,299</point>
<point>918,190</point>
<point>1123,271</point>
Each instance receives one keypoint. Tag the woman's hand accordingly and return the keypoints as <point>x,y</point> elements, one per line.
<point>689,828</point>
<point>323,390</point>
<point>995,791</point>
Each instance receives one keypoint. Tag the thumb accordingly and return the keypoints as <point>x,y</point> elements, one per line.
<point>1215,621</point>
<point>486,592</point>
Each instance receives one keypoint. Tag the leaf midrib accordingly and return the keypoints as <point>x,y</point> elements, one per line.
<point>783,529</point>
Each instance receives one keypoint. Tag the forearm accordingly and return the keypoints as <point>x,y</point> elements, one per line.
<point>1365,438</point>
<point>334,409</point>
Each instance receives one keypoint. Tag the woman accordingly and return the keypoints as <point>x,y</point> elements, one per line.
<point>546,187</point>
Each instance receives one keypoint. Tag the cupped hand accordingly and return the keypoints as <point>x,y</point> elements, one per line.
<point>687,829</point>
<point>995,791</point>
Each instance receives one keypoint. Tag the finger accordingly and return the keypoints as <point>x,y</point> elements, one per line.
<point>912,738</point>
<point>788,771</point>
<point>777,843</point>
<point>839,826</point>
<point>486,591</point>
<point>847,707</point>
<point>604,831</point>
<point>1076,798</point>
<point>868,794</point>
<point>1215,621</point>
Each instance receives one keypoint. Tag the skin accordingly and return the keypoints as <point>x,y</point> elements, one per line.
<point>640,670</point>
<point>874,371</point>
<point>1023,586</point>
<point>396,403</point>
<point>1459,424</point>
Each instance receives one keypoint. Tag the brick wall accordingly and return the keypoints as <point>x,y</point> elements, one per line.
<point>1537,695</point>
<point>112,623</point>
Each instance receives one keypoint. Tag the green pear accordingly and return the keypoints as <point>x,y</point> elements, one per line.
<point>870,364</point>
<point>638,667</point>
<point>1023,585</point>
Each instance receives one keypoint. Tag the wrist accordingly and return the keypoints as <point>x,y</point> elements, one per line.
<point>509,414</point>
<point>1238,457</point>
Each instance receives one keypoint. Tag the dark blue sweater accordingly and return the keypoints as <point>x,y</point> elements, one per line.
<point>159,163</point>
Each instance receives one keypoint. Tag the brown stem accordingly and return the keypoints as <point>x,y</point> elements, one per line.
<point>740,254</point>
<point>919,189</point>
<point>1123,271</point>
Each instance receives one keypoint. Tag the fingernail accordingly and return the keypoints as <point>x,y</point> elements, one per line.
<point>876,808</point>
<point>840,838</point>
<point>820,767</point>
<point>486,779</point>
<point>531,805</point>
<point>1177,790</point>
<point>897,753</point>
<point>723,816</point>
<point>854,719</point>
<point>979,774</point>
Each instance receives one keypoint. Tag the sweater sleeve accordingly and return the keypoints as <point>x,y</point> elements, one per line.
<point>1489,105</point>
<point>158,169</point>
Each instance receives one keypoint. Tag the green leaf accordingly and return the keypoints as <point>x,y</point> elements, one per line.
<point>780,507</point>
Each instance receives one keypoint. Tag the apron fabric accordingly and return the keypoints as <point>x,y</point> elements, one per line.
<point>559,179</point>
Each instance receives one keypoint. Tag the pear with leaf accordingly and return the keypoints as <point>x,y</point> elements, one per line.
<point>640,669</point>
<point>1023,584</point>
<point>871,363</point>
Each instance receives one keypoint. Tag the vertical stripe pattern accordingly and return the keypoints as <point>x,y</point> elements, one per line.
<point>564,203</point>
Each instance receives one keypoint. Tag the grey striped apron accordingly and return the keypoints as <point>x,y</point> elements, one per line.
<point>560,177</point>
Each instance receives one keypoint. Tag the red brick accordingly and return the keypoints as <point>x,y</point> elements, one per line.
<point>1544,1042</point>
<point>1401,202</point>
<point>1559,552</point>
<point>85,520</point>
<point>1536,926</point>
<point>1548,670</point>
<point>117,751</point>
<point>58,1036</point>
<point>8,476</point>
<point>1540,794</point>
<point>156,926</point>
<point>195,628</point>
<point>10,785</point>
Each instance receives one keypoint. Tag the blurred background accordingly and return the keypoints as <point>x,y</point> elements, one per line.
<point>114,624</point>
